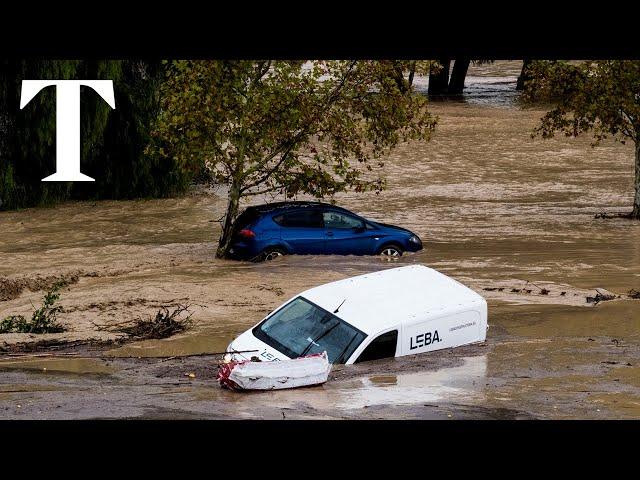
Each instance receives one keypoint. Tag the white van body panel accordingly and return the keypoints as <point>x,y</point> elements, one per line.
<point>446,331</point>
<point>247,342</point>
<point>430,310</point>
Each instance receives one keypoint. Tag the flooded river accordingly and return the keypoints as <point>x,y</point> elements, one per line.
<point>496,210</point>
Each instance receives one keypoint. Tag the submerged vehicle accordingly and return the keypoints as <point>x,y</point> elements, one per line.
<point>265,232</point>
<point>389,313</point>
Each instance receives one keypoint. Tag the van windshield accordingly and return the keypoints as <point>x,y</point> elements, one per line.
<point>302,328</point>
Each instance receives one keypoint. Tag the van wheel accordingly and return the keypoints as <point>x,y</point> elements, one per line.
<point>390,251</point>
<point>272,254</point>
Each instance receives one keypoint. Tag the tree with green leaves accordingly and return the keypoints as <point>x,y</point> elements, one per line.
<point>112,142</point>
<point>597,97</point>
<point>524,74</point>
<point>27,148</point>
<point>288,127</point>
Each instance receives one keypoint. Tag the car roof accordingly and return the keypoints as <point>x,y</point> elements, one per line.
<point>381,300</point>
<point>269,207</point>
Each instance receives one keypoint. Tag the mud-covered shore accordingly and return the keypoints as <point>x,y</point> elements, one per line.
<point>503,378</point>
<point>503,213</point>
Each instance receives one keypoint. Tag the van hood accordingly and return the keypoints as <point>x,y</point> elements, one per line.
<point>247,341</point>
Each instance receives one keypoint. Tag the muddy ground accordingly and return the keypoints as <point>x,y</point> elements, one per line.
<point>496,209</point>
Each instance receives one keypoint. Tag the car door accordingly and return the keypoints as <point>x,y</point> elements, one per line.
<point>302,230</point>
<point>346,234</point>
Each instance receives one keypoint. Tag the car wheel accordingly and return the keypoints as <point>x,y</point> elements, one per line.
<point>273,253</point>
<point>390,251</point>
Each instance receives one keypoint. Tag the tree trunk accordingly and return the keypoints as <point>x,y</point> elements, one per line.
<point>412,72</point>
<point>439,81</point>
<point>523,74</point>
<point>229,220</point>
<point>399,77</point>
<point>636,184</point>
<point>459,73</point>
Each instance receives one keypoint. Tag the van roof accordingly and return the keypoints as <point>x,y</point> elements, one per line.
<point>388,298</point>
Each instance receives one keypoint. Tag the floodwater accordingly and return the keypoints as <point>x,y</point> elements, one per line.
<point>495,209</point>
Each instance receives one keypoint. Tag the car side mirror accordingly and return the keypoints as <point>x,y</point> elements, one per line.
<point>360,228</point>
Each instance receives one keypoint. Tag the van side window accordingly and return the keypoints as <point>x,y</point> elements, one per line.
<point>382,347</point>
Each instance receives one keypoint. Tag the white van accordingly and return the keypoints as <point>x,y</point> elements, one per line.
<point>390,313</point>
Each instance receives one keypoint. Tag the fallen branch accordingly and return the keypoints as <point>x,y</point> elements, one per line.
<point>601,296</point>
<point>162,325</point>
<point>543,291</point>
<point>606,215</point>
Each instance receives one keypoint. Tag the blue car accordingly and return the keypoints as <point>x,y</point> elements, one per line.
<point>265,232</point>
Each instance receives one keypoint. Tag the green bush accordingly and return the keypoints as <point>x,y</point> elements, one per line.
<point>43,319</point>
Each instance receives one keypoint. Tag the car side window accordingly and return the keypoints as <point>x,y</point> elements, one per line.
<point>382,347</point>
<point>340,220</point>
<point>307,218</point>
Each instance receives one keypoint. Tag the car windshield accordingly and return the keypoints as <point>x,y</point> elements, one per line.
<point>301,328</point>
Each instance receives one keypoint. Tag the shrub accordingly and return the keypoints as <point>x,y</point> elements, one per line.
<point>43,319</point>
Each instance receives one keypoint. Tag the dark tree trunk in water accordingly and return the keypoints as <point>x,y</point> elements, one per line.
<point>636,184</point>
<point>523,74</point>
<point>412,72</point>
<point>439,81</point>
<point>229,220</point>
<point>459,73</point>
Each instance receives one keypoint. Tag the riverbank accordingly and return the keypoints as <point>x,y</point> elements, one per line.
<point>508,377</point>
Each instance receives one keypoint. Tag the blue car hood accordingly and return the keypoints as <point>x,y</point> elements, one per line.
<point>392,227</point>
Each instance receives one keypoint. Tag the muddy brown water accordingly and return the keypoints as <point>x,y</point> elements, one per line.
<point>495,209</point>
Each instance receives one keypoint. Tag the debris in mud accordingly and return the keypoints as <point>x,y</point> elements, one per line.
<point>635,294</point>
<point>163,325</point>
<point>43,319</point>
<point>53,345</point>
<point>542,290</point>
<point>13,288</point>
<point>606,215</point>
<point>270,288</point>
<point>115,304</point>
<point>601,296</point>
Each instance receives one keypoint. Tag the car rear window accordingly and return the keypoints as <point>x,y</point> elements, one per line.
<point>307,218</point>
<point>246,218</point>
